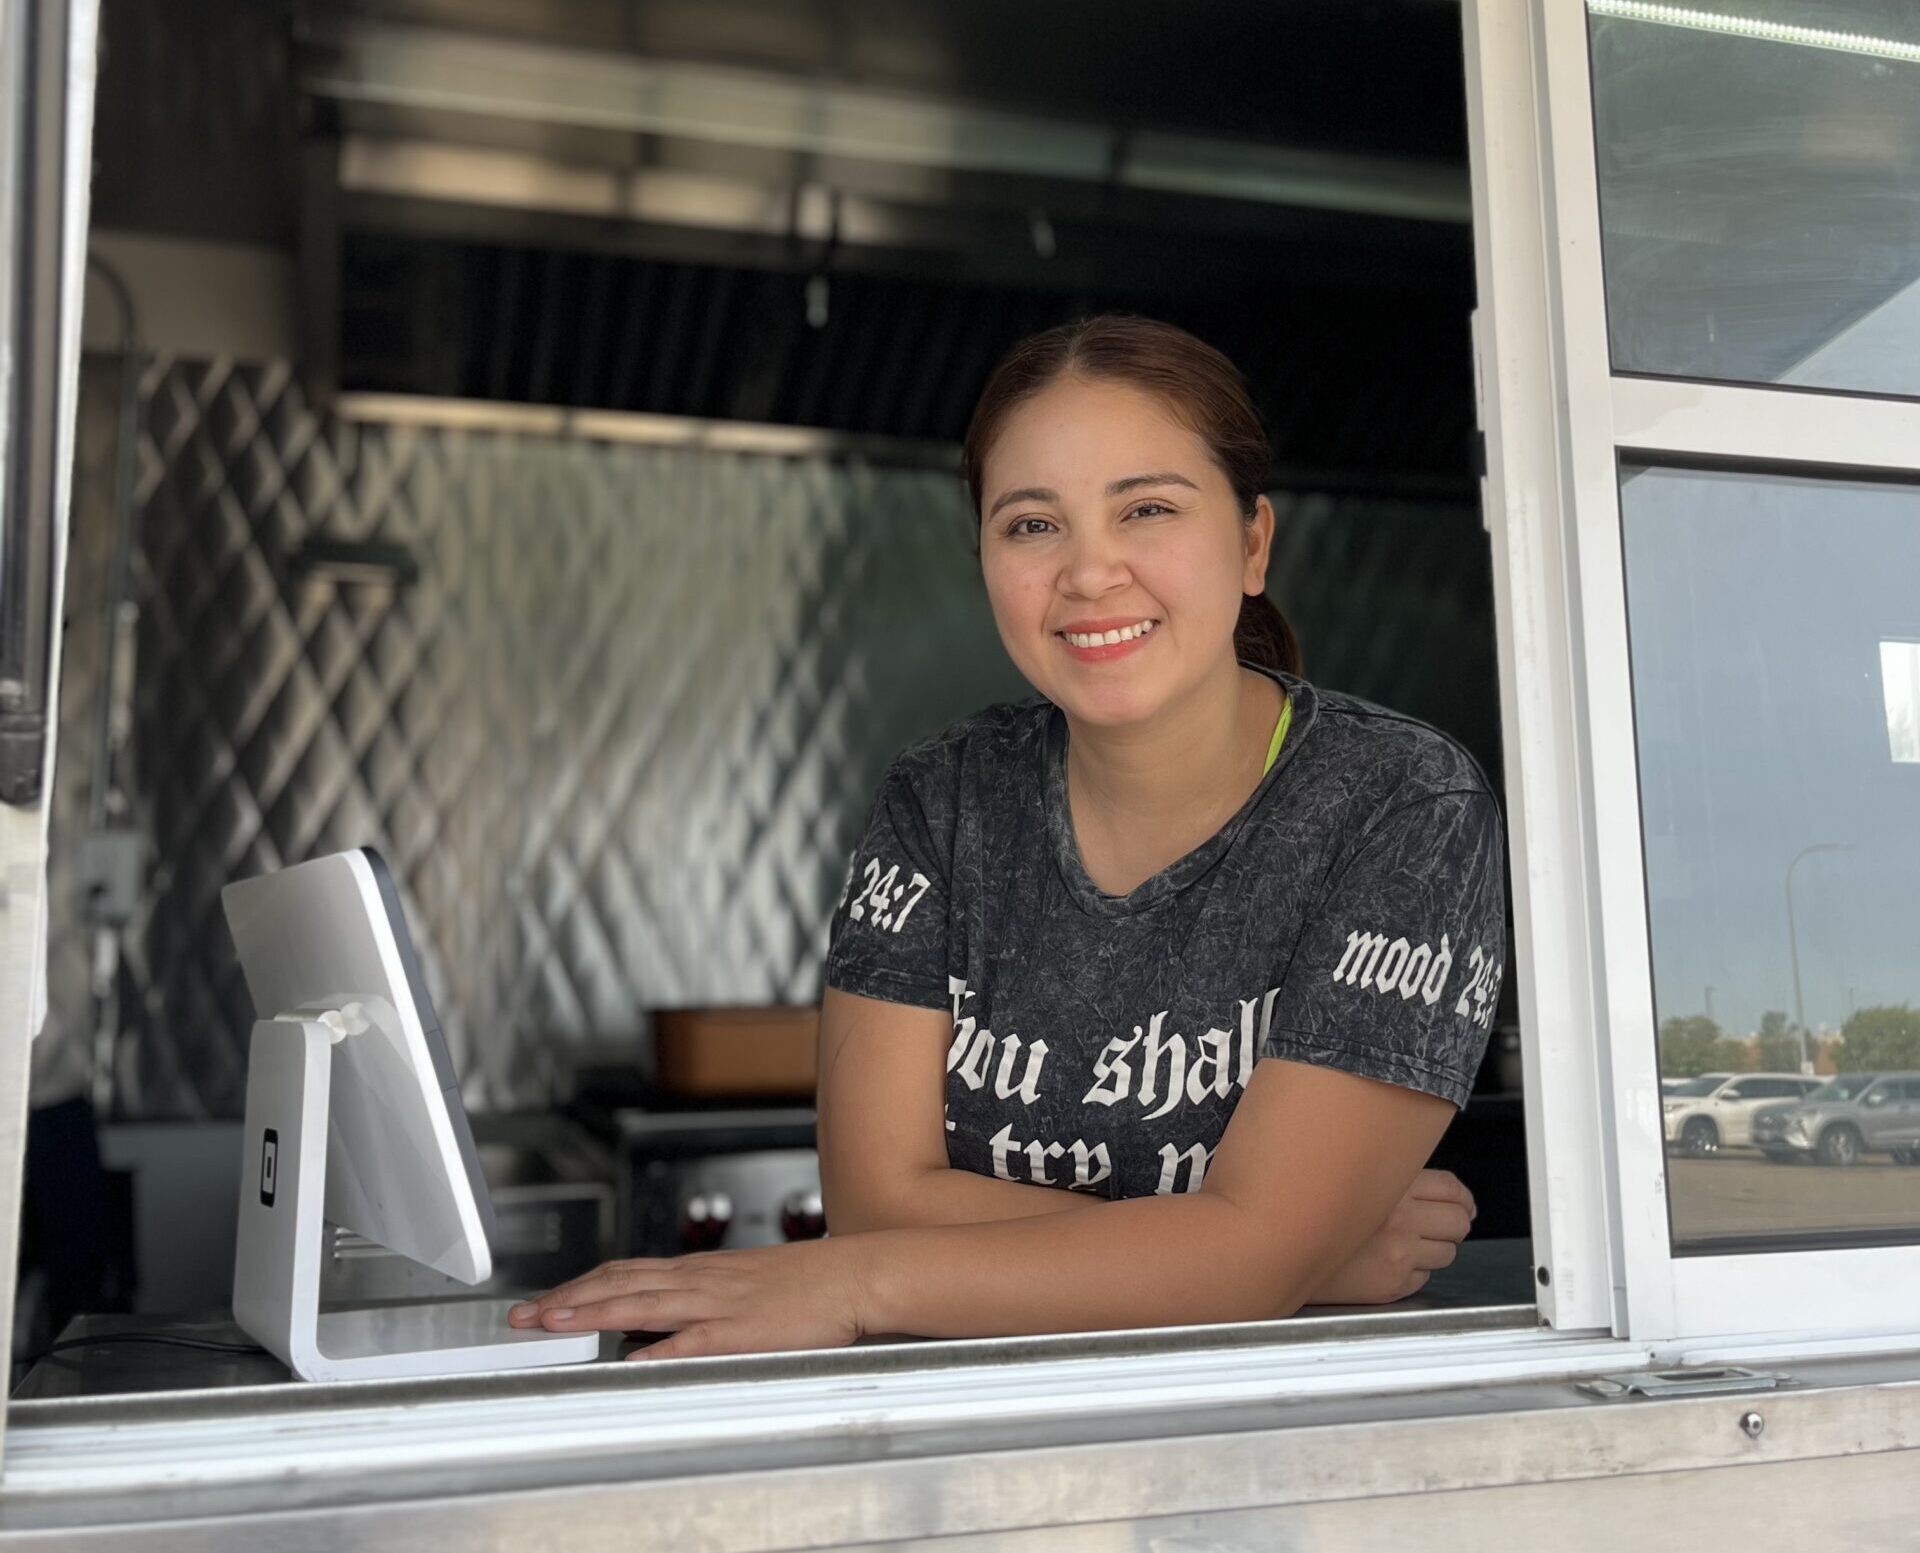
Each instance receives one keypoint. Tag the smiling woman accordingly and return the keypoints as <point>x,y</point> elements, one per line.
<point>1148,998</point>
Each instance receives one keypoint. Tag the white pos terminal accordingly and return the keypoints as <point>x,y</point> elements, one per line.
<point>354,1118</point>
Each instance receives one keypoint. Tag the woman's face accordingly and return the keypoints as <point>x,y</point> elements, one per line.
<point>1102,514</point>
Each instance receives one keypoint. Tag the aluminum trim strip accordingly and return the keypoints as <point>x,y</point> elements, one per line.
<point>1767,425</point>
<point>996,1479</point>
<point>881,1362</point>
<point>728,1410</point>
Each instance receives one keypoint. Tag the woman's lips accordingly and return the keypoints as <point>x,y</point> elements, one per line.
<point>1106,652</point>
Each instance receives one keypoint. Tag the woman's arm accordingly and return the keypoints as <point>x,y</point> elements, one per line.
<point>881,1123</point>
<point>1312,1161</point>
<point>883,1155</point>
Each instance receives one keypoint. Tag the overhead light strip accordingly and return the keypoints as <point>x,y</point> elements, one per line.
<point>1763,31</point>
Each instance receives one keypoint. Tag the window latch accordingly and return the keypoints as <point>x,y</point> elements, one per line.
<point>1701,1382</point>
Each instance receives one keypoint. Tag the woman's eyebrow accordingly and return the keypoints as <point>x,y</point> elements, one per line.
<point>1134,482</point>
<point>1025,493</point>
<point>1117,488</point>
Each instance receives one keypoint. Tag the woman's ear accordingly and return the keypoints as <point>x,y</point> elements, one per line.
<point>1257,537</point>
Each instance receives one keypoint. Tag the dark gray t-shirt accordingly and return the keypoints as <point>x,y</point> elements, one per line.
<point>1351,915</point>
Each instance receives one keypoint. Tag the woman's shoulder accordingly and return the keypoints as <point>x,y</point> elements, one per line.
<point>994,739</point>
<point>1392,758</point>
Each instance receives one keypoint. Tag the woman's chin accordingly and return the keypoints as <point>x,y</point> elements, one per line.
<point>1109,694</point>
<point>1104,706</point>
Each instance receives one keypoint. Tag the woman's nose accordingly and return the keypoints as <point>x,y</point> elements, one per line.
<point>1095,564</point>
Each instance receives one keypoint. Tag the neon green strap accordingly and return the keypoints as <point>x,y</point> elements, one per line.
<point>1279,735</point>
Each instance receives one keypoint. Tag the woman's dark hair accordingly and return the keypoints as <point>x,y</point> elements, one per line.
<point>1201,389</point>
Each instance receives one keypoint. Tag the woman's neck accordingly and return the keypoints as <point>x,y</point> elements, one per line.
<point>1176,780</point>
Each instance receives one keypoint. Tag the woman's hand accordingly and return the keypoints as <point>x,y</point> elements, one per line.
<point>806,1295</point>
<point>1421,1235</point>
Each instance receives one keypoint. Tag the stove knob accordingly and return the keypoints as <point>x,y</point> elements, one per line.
<point>704,1221</point>
<point>802,1217</point>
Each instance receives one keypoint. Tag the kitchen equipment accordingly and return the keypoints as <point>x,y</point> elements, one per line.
<point>699,1180</point>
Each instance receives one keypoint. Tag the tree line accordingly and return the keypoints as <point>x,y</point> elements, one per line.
<point>1872,1039</point>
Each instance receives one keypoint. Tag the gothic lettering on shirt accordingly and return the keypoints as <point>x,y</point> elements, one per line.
<point>883,899</point>
<point>1166,1077</point>
<point>1370,962</point>
<point>1034,1163</point>
<point>970,1056</point>
<point>1483,991</point>
<point>1196,1159</point>
<point>1091,1164</point>
<point>1373,963</point>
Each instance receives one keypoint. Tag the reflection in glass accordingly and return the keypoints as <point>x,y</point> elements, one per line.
<point>1900,685</point>
<point>1759,174</point>
<point>1782,849</point>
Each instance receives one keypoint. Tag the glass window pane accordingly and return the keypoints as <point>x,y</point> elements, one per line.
<point>1782,848</point>
<point>1759,165</point>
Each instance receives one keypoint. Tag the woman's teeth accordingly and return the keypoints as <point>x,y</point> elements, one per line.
<point>1109,638</point>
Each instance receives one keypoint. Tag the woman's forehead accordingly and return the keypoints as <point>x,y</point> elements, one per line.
<point>1082,433</point>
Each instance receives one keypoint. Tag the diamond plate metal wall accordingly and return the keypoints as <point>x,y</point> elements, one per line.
<point>618,736</point>
<point>615,740</point>
<point>62,1055</point>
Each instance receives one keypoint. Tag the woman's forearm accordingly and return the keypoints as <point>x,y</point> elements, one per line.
<point>1149,1261</point>
<point>942,1196</point>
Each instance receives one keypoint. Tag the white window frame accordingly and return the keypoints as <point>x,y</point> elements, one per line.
<point>1558,424</point>
<point>1554,419</point>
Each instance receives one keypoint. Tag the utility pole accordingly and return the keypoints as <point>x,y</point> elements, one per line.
<point>1793,949</point>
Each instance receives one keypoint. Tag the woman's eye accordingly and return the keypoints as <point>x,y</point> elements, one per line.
<point>1021,528</point>
<point>1149,509</point>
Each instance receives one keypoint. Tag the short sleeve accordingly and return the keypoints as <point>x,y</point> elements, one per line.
<point>888,937</point>
<point>1397,975</point>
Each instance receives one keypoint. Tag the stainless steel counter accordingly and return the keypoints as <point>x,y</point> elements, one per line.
<point>1342,1432</point>
<point>1492,1277</point>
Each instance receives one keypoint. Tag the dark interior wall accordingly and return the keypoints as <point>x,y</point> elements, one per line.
<point>196,120</point>
<point>1363,386</point>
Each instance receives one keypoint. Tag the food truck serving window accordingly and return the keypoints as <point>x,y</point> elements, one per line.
<point>1697,352</point>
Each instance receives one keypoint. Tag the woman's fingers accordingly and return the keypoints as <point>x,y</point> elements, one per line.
<point>1434,1220</point>
<point>1443,1186</point>
<point>649,1310</point>
<point>604,1282</point>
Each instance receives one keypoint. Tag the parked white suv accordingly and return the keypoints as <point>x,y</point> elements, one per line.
<point>1708,1112</point>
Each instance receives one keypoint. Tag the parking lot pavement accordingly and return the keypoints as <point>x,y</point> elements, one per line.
<point>1740,1192</point>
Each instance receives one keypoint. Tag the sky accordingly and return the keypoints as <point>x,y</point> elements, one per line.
<point>1758,607</point>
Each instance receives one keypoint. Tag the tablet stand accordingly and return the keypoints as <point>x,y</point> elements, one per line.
<point>276,1266</point>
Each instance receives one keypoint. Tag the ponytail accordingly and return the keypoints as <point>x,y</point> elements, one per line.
<point>1263,637</point>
